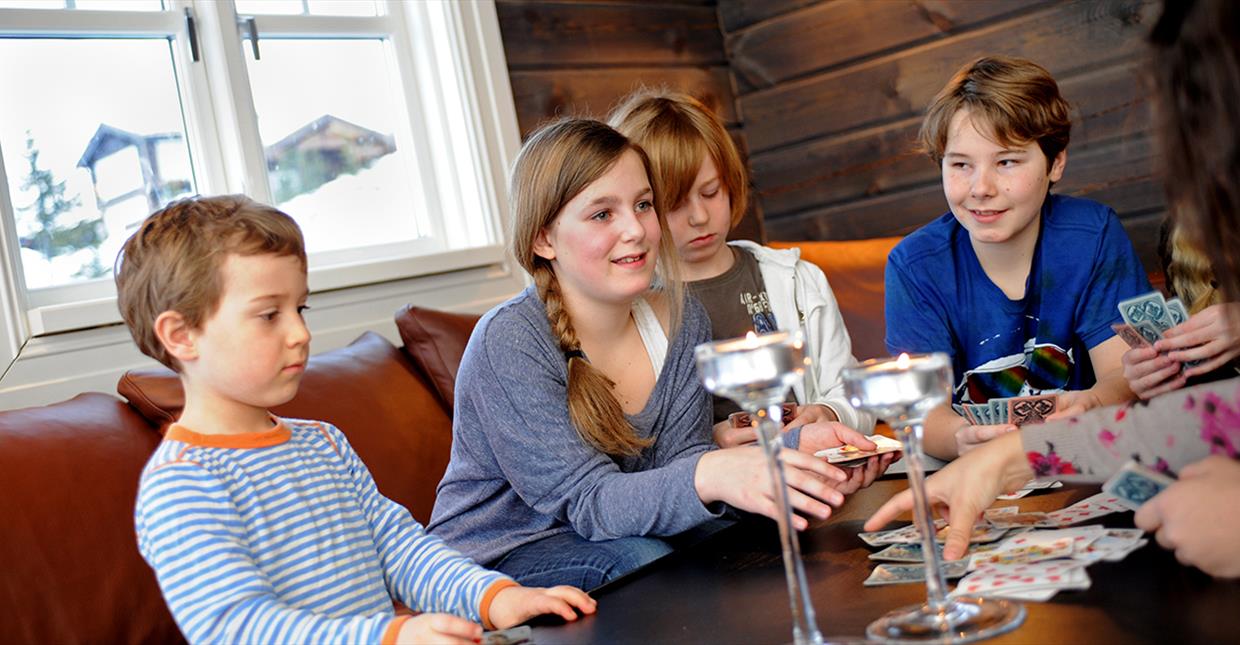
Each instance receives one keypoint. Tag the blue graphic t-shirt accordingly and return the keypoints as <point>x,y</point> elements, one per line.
<point>938,299</point>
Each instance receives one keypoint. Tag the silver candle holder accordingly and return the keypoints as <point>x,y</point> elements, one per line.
<point>756,372</point>
<point>901,391</point>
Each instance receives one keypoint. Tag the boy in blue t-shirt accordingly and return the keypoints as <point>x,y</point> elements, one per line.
<point>1018,285</point>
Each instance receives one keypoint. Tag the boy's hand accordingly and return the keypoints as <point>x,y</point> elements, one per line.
<point>1074,402</point>
<point>515,605</point>
<point>1149,373</point>
<point>970,437</point>
<point>439,628</point>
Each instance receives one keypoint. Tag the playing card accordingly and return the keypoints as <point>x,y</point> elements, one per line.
<point>510,636</point>
<point>1130,335</point>
<point>1033,551</point>
<point>914,554</point>
<point>1177,311</point>
<point>1113,545</point>
<point>845,454</point>
<point>1022,520</point>
<point>1135,484</point>
<point>890,574</point>
<point>1030,410</point>
<point>1030,487</point>
<point>788,412</point>
<point>1146,308</point>
<point>1087,509</point>
<point>903,535</point>
<point>996,578</point>
<point>1149,331</point>
<point>983,532</point>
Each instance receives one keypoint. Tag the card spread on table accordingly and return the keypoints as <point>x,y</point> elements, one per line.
<point>914,553</point>
<point>890,574</point>
<point>1087,509</point>
<point>1135,485</point>
<point>842,455</point>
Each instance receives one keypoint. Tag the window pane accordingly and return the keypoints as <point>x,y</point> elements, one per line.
<point>338,159</point>
<point>91,5</point>
<point>308,7</point>
<point>93,141</point>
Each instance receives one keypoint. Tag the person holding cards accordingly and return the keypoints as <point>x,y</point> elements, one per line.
<point>702,186</point>
<point>1199,350</point>
<point>1191,432</point>
<point>581,432</point>
<point>1017,284</point>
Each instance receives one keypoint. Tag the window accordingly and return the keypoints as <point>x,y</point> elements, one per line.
<point>372,123</point>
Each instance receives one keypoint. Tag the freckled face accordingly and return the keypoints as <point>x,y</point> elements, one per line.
<point>995,191</point>
<point>604,244</point>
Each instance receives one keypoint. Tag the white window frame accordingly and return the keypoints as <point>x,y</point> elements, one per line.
<point>458,44</point>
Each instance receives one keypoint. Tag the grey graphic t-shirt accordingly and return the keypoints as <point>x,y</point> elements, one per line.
<point>737,303</point>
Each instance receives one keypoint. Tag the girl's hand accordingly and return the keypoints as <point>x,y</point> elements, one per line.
<point>1211,336</point>
<point>515,605</point>
<point>1191,517</point>
<point>740,477</point>
<point>963,489</point>
<point>1150,373</point>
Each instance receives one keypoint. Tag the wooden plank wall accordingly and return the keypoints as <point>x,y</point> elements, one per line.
<point>831,94</point>
<point>580,57</point>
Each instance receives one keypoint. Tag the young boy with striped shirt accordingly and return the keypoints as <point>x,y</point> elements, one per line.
<point>262,529</point>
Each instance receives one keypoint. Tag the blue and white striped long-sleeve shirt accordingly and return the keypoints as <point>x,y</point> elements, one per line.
<point>282,536</point>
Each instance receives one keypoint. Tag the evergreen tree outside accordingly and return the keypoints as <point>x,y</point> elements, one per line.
<point>49,237</point>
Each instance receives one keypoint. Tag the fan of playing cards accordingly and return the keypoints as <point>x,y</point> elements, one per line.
<point>1017,410</point>
<point>1027,555</point>
<point>1147,317</point>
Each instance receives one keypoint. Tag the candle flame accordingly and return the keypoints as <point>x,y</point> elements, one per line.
<point>903,361</point>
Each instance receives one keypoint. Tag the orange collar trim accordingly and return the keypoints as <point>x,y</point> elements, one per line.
<point>265,439</point>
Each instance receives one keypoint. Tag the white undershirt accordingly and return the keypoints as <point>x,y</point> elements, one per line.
<point>653,336</point>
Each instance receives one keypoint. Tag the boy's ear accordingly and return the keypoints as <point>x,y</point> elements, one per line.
<point>543,247</point>
<point>1057,166</point>
<point>174,333</point>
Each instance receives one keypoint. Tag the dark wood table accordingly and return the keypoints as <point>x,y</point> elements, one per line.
<point>730,589</point>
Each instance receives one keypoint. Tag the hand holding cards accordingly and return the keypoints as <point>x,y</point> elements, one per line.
<point>787,411</point>
<point>1016,410</point>
<point>1135,485</point>
<point>847,456</point>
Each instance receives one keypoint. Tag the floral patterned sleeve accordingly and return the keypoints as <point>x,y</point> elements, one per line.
<point>1165,433</point>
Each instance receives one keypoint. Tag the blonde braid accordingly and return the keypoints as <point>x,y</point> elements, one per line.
<point>592,404</point>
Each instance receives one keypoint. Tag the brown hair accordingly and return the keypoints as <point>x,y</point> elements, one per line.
<point>1017,98</point>
<point>676,131</point>
<point>173,262</point>
<point>1196,63</point>
<point>556,163</point>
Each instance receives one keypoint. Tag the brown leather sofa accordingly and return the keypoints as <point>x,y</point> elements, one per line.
<point>70,571</point>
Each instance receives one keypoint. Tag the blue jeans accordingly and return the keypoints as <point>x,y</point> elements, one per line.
<point>569,559</point>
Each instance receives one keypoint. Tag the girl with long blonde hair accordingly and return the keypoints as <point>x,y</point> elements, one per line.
<point>581,434</point>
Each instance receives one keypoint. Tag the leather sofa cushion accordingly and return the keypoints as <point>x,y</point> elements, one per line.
<point>370,391</point>
<point>70,571</point>
<point>854,269</point>
<point>435,341</point>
